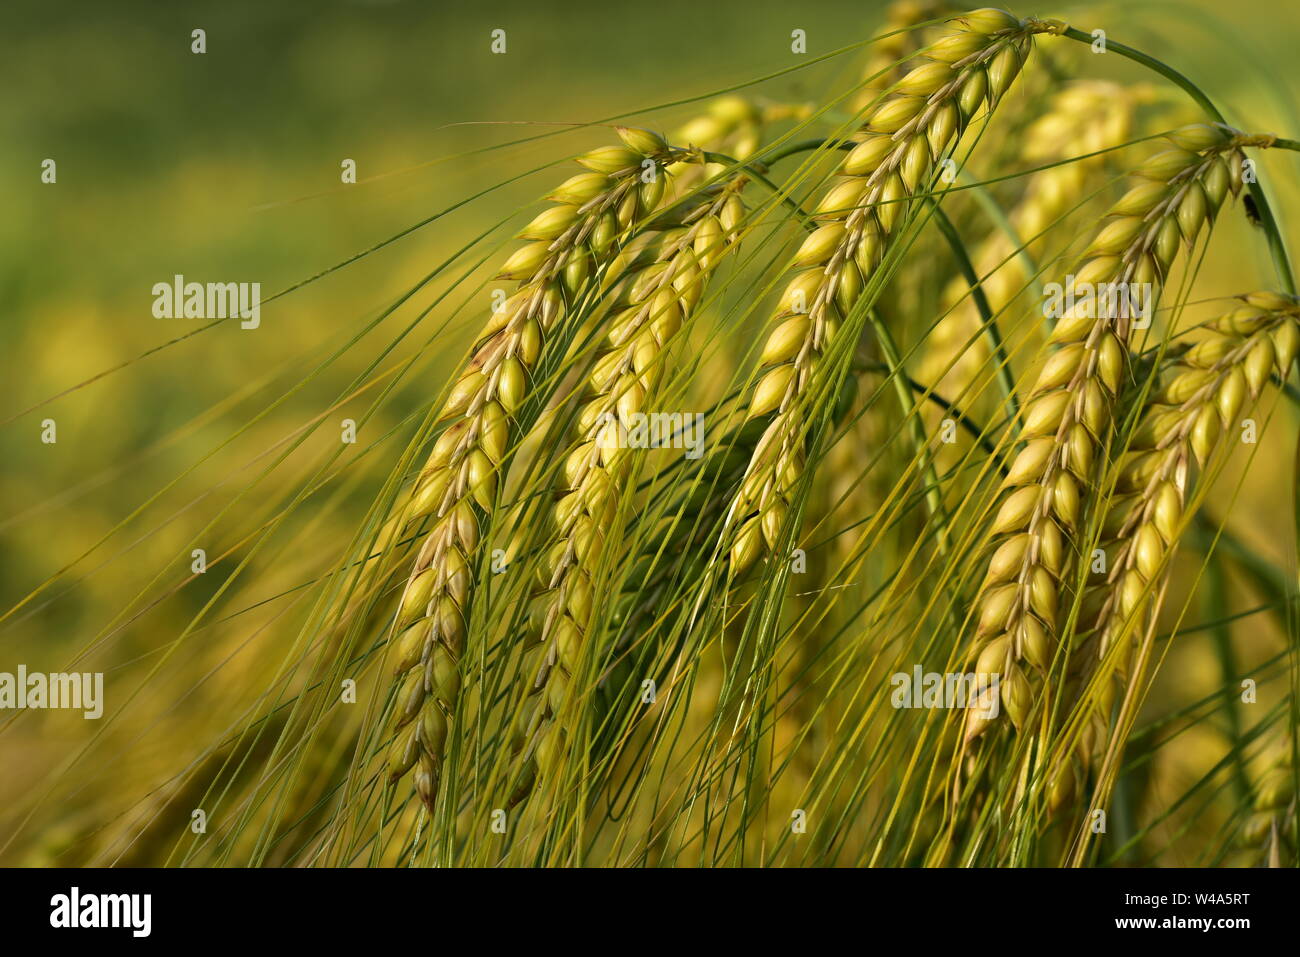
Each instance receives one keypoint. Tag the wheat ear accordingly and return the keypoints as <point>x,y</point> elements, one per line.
<point>660,294</point>
<point>567,246</point>
<point>1068,415</point>
<point>908,135</point>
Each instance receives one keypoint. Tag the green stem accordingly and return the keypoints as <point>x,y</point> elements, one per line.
<point>967,268</point>
<point>889,349</point>
<point>993,211</point>
<point>968,425</point>
<point>1276,246</point>
<point>751,167</point>
<point>1215,602</point>
<point>804,146</point>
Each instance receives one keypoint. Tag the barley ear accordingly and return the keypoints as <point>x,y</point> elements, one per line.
<point>907,136</point>
<point>1197,406</point>
<point>568,244</point>
<point>1067,418</point>
<point>660,294</point>
<point>892,53</point>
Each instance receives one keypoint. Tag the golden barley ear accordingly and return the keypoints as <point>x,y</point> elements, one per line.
<point>660,293</point>
<point>907,136</point>
<point>1068,415</point>
<point>1200,398</point>
<point>568,245</point>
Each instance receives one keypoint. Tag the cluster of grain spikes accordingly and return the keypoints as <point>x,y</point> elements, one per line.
<point>660,291</point>
<point>1067,418</point>
<point>568,246</point>
<point>1200,399</point>
<point>907,138</point>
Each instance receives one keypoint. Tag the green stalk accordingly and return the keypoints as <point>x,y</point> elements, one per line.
<point>993,211</point>
<point>803,146</point>
<point>754,169</point>
<point>889,349</point>
<point>1215,604</point>
<point>972,278</point>
<point>968,425</point>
